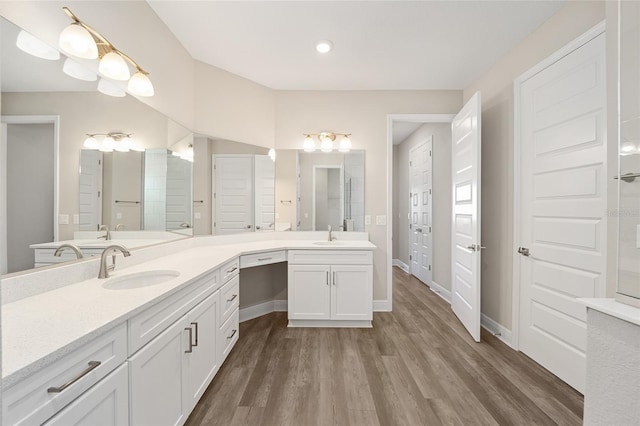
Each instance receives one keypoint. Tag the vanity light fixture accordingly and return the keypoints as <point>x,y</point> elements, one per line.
<point>32,45</point>
<point>80,40</point>
<point>326,140</point>
<point>75,70</point>
<point>272,154</point>
<point>113,141</point>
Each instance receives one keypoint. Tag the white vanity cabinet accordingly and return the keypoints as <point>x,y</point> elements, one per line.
<point>330,288</point>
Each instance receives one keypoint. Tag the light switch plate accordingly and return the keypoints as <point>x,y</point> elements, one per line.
<point>367,219</point>
<point>76,219</point>
<point>381,220</point>
<point>63,219</point>
<point>196,215</point>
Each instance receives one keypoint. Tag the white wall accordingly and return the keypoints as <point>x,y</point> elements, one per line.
<point>286,184</point>
<point>496,86</point>
<point>441,199</point>
<point>364,114</point>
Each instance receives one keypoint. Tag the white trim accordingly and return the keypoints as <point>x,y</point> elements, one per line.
<point>400,264</point>
<point>441,291</point>
<point>517,87</point>
<point>381,306</point>
<point>330,323</point>
<point>255,311</point>
<point>3,199</point>
<point>416,118</point>
<point>497,329</point>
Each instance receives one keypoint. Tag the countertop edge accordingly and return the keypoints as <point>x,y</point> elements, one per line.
<point>613,308</point>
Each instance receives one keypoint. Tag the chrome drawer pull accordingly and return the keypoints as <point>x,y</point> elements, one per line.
<point>232,334</point>
<point>190,330</point>
<point>262,259</point>
<point>232,269</point>
<point>92,366</point>
<point>232,298</point>
<point>195,324</point>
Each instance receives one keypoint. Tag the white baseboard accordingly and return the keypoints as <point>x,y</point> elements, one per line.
<point>441,291</point>
<point>381,306</point>
<point>400,264</point>
<point>498,330</point>
<point>250,312</point>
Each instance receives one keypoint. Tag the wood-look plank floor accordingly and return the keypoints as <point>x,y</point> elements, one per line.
<point>417,366</point>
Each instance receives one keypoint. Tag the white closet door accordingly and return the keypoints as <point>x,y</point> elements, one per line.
<point>265,189</point>
<point>233,197</point>
<point>563,180</point>
<point>421,171</point>
<point>466,245</point>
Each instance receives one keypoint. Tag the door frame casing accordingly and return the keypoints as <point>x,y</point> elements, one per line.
<point>387,305</point>
<point>583,39</point>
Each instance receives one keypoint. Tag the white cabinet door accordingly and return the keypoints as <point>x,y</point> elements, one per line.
<point>157,378</point>
<point>309,292</point>
<point>201,362</point>
<point>105,404</point>
<point>351,292</point>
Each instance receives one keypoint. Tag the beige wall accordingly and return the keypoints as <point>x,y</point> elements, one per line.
<point>496,86</point>
<point>134,28</point>
<point>286,186</point>
<point>81,113</point>
<point>441,199</point>
<point>364,114</point>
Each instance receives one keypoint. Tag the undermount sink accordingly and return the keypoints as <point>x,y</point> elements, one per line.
<point>329,243</point>
<point>140,279</point>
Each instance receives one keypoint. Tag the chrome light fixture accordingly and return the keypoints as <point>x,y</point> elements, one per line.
<point>80,40</point>
<point>326,140</point>
<point>113,141</point>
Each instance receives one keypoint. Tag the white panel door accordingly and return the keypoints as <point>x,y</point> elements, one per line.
<point>90,190</point>
<point>265,197</point>
<point>421,171</point>
<point>466,245</point>
<point>563,204</point>
<point>233,197</point>
<point>179,198</point>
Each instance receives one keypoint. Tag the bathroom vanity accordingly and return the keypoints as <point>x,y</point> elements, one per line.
<point>142,346</point>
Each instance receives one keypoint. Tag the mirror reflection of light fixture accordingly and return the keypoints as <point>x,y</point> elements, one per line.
<point>272,154</point>
<point>32,45</point>
<point>113,141</point>
<point>108,88</point>
<point>80,40</point>
<point>76,70</point>
<point>629,147</point>
<point>326,141</point>
<point>185,155</point>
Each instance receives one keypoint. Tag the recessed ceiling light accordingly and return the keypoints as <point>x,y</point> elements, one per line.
<point>324,46</point>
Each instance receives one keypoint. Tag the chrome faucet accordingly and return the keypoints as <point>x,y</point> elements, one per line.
<point>104,269</point>
<point>62,248</point>
<point>331,238</point>
<point>106,236</point>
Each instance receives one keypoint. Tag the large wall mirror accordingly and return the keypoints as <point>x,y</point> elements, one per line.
<point>629,158</point>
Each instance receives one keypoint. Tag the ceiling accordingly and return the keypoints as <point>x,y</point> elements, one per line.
<point>378,45</point>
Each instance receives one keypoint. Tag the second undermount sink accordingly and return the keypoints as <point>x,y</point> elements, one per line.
<point>329,243</point>
<point>140,279</point>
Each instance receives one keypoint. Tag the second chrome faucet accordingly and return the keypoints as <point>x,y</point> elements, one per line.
<point>112,249</point>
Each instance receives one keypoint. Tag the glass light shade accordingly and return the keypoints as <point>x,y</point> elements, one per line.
<point>91,143</point>
<point>114,66</point>
<point>176,154</point>
<point>122,145</point>
<point>110,89</point>
<point>77,41</point>
<point>345,144</point>
<point>272,154</point>
<point>108,144</point>
<point>34,46</point>
<point>309,145</point>
<point>140,85</point>
<point>324,46</point>
<point>326,145</point>
<point>76,70</point>
<point>627,147</point>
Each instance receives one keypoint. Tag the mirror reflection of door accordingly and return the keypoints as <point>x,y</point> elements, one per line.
<point>328,197</point>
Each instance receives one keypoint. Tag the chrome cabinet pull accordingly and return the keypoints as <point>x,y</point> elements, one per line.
<point>195,324</point>
<point>263,259</point>
<point>232,334</point>
<point>190,330</point>
<point>232,298</point>
<point>334,278</point>
<point>232,269</point>
<point>92,366</point>
<point>327,277</point>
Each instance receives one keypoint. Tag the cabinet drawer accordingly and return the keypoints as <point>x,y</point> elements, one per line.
<point>31,402</point>
<point>229,298</point>
<point>148,324</point>
<point>228,335</point>
<point>330,257</point>
<point>229,270</point>
<point>250,260</point>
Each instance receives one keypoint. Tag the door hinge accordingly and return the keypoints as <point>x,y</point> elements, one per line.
<point>214,195</point>
<point>410,226</point>
<point>214,224</point>
<point>98,194</point>
<point>429,229</point>
<point>410,163</point>
<point>429,267</point>
<point>429,153</point>
<point>410,258</point>
<point>99,162</point>
<point>429,192</point>
<point>409,195</point>
<point>214,167</point>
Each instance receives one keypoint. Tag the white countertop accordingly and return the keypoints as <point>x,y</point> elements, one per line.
<point>615,309</point>
<point>40,329</point>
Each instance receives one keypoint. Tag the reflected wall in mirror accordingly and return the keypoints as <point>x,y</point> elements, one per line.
<point>629,149</point>
<point>46,117</point>
<point>330,191</point>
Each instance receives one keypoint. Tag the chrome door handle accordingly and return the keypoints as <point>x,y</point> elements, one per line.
<point>190,330</point>
<point>476,247</point>
<point>92,366</point>
<point>195,324</point>
<point>524,251</point>
<point>248,226</point>
<point>418,229</point>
